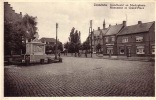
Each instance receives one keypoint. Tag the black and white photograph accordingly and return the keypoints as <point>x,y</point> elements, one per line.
<point>78,48</point>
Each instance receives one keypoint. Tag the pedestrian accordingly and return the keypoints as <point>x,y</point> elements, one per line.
<point>59,53</point>
<point>110,53</point>
<point>86,53</point>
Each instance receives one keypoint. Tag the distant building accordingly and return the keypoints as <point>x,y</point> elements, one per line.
<point>122,40</point>
<point>10,15</point>
<point>110,38</point>
<point>97,37</point>
<point>137,40</point>
<point>50,44</point>
<point>11,19</point>
<point>49,41</point>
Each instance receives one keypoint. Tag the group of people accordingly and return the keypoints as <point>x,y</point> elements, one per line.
<point>76,54</point>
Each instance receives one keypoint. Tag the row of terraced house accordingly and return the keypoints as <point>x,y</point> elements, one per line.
<point>121,40</point>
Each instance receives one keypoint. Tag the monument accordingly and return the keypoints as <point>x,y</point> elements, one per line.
<point>35,51</point>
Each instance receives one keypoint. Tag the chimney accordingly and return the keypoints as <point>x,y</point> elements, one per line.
<point>93,31</point>
<point>79,34</point>
<point>139,22</point>
<point>98,28</point>
<point>26,40</point>
<point>104,25</point>
<point>124,23</point>
<point>20,13</point>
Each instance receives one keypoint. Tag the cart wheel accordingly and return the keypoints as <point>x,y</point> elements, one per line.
<point>60,59</point>
<point>49,61</point>
<point>42,61</point>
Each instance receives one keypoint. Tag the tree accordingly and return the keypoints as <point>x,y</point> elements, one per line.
<point>16,32</point>
<point>75,41</point>
<point>98,47</point>
<point>66,45</point>
<point>86,46</point>
<point>29,24</point>
<point>12,36</point>
<point>8,27</point>
<point>49,49</point>
<point>60,46</point>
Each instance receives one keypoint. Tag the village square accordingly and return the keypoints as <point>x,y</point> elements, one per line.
<point>112,60</point>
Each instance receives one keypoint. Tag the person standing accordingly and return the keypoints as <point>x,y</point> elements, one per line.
<point>86,53</point>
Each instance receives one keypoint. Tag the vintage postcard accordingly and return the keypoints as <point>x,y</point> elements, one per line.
<point>77,48</point>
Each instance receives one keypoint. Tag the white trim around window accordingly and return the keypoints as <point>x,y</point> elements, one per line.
<point>139,38</point>
<point>124,39</point>
<point>153,49</point>
<point>140,50</point>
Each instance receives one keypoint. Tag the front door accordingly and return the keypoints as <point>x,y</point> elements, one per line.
<point>128,52</point>
<point>109,50</point>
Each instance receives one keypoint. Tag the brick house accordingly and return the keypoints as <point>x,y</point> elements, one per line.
<point>97,37</point>
<point>10,15</point>
<point>11,19</point>
<point>50,43</point>
<point>137,40</point>
<point>109,39</point>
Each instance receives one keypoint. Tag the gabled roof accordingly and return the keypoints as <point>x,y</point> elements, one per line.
<point>48,39</point>
<point>96,32</point>
<point>138,28</point>
<point>104,31</point>
<point>114,29</point>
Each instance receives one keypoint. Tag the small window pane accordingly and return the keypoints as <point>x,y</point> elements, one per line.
<point>140,50</point>
<point>139,38</point>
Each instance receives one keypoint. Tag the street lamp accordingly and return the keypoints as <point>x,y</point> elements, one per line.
<point>56,41</point>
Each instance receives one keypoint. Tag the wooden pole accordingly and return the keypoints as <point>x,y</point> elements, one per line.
<point>91,36</point>
<point>56,42</point>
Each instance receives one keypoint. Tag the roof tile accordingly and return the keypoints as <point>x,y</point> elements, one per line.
<point>143,27</point>
<point>48,39</point>
<point>114,29</point>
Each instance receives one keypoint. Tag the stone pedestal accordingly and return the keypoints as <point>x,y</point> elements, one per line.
<point>35,48</point>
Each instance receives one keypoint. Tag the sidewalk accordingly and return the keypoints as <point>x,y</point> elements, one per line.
<point>100,56</point>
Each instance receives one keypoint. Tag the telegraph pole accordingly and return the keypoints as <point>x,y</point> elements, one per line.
<point>91,36</point>
<point>56,42</point>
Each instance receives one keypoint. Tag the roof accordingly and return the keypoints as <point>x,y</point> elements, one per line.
<point>138,28</point>
<point>48,39</point>
<point>98,32</point>
<point>104,31</point>
<point>114,29</point>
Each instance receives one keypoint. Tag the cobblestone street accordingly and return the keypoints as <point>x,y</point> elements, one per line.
<point>81,77</point>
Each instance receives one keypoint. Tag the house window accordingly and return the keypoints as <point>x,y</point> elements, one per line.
<point>125,40</point>
<point>109,50</point>
<point>139,38</point>
<point>51,42</point>
<point>140,50</point>
<point>122,50</point>
<point>94,37</point>
<point>98,37</point>
<point>153,49</point>
<point>113,38</point>
<point>106,39</point>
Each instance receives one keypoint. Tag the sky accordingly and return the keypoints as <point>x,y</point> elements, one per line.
<point>79,14</point>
